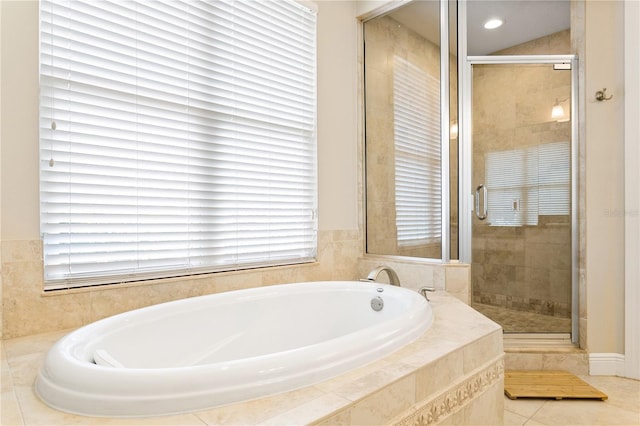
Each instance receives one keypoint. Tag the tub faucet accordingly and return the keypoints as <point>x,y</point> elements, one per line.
<point>424,290</point>
<point>393,277</point>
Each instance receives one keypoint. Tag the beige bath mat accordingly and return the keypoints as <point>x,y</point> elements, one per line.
<point>548,384</point>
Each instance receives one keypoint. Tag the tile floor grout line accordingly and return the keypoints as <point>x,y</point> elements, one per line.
<point>15,394</point>
<point>537,411</point>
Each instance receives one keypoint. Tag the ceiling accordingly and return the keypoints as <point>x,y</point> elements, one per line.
<point>524,20</point>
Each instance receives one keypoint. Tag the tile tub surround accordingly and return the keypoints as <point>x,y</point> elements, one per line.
<point>452,374</point>
<point>27,310</point>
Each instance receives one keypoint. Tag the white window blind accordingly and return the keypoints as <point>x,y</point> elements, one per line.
<point>554,179</point>
<point>416,114</point>
<point>525,183</point>
<point>512,190</point>
<point>176,137</point>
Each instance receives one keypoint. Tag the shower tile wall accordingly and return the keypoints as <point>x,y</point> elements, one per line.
<point>526,268</point>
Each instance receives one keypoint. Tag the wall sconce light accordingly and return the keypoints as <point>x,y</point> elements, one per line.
<point>557,112</point>
<point>493,23</point>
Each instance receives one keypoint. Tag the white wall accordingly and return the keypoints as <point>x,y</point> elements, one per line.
<point>604,61</point>
<point>1,314</point>
<point>632,189</point>
<point>20,211</point>
<point>337,115</point>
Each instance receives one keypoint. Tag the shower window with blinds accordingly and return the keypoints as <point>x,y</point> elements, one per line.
<point>175,138</point>
<point>526,183</point>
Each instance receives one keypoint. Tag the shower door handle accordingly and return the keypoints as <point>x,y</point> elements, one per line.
<point>483,215</point>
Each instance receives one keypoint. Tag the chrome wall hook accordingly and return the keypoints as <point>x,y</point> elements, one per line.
<point>601,95</point>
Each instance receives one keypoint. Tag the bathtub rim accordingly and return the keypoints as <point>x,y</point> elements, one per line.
<point>198,398</point>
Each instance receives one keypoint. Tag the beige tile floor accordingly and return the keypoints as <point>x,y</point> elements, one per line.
<point>622,407</point>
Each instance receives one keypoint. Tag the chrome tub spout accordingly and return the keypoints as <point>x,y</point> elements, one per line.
<point>373,275</point>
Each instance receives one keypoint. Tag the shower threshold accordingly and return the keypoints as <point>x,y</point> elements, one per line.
<point>538,351</point>
<point>542,341</point>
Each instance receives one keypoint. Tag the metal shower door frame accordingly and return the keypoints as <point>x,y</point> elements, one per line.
<point>467,191</point>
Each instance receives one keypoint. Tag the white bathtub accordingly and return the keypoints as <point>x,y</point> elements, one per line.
<point>198,353</point>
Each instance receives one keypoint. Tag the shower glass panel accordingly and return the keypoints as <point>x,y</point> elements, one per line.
<point>522,227</point>
<point>402,132</point>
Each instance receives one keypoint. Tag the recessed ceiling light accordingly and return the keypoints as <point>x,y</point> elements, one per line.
<point>493,23</point>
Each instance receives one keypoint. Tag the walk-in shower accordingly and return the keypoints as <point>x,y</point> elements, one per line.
<point>471,152</point>
<point>522,174</point>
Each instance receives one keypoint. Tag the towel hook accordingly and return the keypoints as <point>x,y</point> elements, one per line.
<point>601,95</point>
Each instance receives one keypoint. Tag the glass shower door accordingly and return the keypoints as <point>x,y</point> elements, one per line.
<point>522,226</point>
